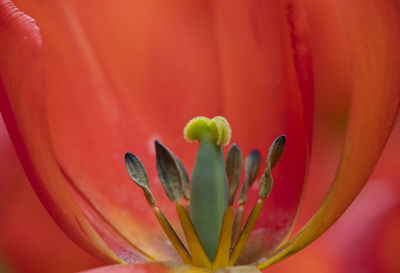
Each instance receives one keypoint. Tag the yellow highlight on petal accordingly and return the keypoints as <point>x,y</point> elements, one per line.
<point>218,127</point>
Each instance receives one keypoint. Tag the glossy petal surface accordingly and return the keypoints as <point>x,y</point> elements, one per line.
<point>373,32</point>
<point>147,268</point>
<point>106,78</point>
<point>28,235</point>
<point>167,268</point>
<point>22,58</point>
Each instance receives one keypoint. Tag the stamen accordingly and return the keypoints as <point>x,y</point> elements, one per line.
<point>172,173</point>
<point>237,223</point>
<point>224,245</point>
<point>266,183</point>
<point>233,171</point>
<point>172,236</point>
<point>138,174</point>
<point>185,179</point>
<point>274,154</point>
<point>244,235</point>
<point>276,151</point>
<point>199,256</point>
<point>251,167</point>
<point>169,172</point>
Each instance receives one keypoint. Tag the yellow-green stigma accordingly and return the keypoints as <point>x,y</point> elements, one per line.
<point>217,128</point>
<point>215,235</point>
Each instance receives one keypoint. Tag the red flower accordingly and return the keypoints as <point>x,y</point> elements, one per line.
<point>85,82</point>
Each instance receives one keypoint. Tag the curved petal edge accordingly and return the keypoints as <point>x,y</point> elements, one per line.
<point>21,88</point>
<point>373,34</point>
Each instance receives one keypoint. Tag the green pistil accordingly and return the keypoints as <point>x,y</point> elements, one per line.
<point>208,194</point>
<point>208,190</point>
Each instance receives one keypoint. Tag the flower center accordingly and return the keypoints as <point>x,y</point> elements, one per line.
<point>215,235</point>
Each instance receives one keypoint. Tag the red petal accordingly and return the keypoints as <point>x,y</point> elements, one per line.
<point>21,84</point>
<point>28,236</point>
<point>148,268</point>
<point>373,33</point>
<point>119,76</point>
<point>167,268</point>
<point>268,92</point>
